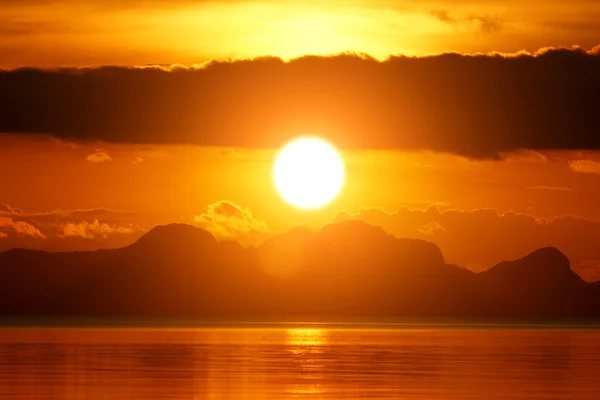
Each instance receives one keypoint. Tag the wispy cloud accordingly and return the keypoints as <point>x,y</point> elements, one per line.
<point>99,156</point>
<point>62,228</point>
<point>483,23</point>
<point>585,166</point>
<point>94,229</point>
<point>551,188</point>
<point>20,228</point>
<point>228,220</point>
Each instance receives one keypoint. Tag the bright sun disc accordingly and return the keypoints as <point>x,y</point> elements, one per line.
<point>308,173</point>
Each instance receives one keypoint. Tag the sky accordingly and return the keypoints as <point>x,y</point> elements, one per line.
<point>471,124</point>
<point>100,32</point>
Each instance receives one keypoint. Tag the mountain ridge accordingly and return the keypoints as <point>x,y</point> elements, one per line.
<point>344,269</point>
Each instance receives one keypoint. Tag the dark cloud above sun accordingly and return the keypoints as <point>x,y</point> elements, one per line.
<point>477,106</point>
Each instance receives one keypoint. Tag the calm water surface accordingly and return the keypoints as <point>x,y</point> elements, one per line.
<point>300,362</point>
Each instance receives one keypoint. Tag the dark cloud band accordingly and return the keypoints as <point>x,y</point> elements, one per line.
<point>472,105</point>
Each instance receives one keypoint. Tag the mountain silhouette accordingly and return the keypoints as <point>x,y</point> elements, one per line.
<point>281,255</point>
<point>542,283</point>
<point>347,269</point>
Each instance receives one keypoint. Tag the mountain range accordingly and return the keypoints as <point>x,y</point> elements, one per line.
<point>345,270</point>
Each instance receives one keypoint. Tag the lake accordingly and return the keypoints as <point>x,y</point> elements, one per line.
<point>301,361</point>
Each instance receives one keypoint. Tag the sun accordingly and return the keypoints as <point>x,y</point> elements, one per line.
<point>308,173</point>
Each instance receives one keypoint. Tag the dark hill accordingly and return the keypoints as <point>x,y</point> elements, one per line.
<point>172,270</point>
<point>541,283</point>
<point>346,269</point>
<point>281,255</point>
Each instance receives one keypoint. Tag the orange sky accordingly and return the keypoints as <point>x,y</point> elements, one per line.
<point>113,170</point>
<point>105,195</point>
<point>100,32</point>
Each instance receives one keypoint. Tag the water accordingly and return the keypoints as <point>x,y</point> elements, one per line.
<point>301,362</point>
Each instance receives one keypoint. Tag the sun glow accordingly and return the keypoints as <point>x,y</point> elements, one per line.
<point>308,173</point>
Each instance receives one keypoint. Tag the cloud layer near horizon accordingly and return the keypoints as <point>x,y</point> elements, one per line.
<point>476,239</point>
<point>92,229</point>
<point>477,106</point>
<point>227,220</point>
<point>68,230</point>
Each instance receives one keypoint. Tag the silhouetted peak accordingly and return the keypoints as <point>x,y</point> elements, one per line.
<point>177,229</point>
<point>231,246</point>
<point>179,235</point>
<point>354,240</point>
<point>544,263</point>
<point>369,238</point>
<point>292,239</point>
<point>18,251</point>
<point>352,229</point>
<point>298,232</point>
<point>547,257</point>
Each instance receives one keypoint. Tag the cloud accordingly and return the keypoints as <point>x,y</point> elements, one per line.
<point>92,230</point>
<point>7,209</point>
<point>550,188</point>
<point>484,23</point>
<point>474,105</point>
<point>18,28</point>
<point>47,220</point>
<point>525,156</point>
<point>585,166</point>
<point>63,230</point>
<point>20,228</point>
<point>481,238</point>
<point>99,157</point>
<point>430,228</point>
<point>227,220</point>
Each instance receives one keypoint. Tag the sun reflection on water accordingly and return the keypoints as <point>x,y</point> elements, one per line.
<point>306,340</point>
<point>307,346</point>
